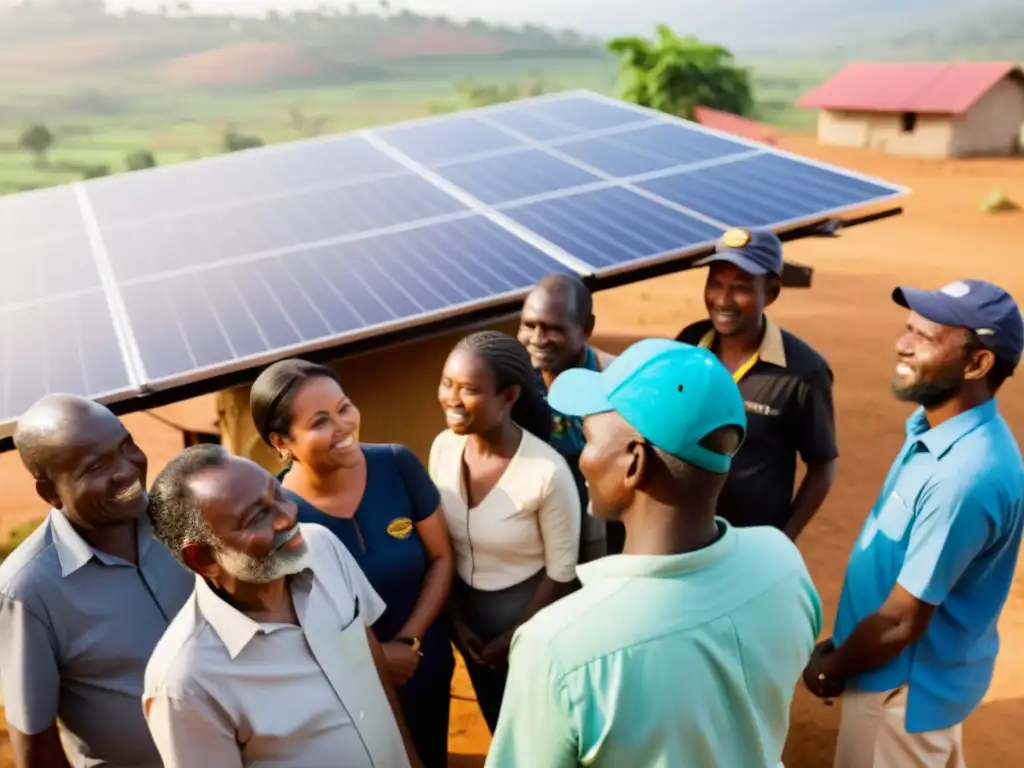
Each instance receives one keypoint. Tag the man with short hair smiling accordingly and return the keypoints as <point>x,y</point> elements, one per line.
<point>85,598</point>
<point>915,638</point>
<point>786,386</point>
<point>555,327</point>
<point>272,662</point>
<point>685,650</point>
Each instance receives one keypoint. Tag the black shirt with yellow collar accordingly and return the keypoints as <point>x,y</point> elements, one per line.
<point>787,388</point>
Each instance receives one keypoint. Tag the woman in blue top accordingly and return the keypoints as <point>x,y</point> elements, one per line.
<point>380,501</point>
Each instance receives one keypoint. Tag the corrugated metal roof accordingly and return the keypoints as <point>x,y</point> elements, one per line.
<point>948,88</point>
<point>734,124</point>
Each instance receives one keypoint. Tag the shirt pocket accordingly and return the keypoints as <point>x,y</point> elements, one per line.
<point>894,518</point>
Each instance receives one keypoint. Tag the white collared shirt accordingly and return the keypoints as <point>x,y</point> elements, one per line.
<point>223,690</point>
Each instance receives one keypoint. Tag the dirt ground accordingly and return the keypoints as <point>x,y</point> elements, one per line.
<point>848,316</point>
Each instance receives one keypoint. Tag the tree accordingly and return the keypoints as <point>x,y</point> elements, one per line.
<point>674,74</point>
<point>37,139</point>
<point>139,160</point>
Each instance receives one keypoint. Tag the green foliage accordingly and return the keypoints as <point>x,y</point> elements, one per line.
<point>674,74</point>
<point>471,94</point>
<point>16,536</point>
<point>998,202</point>
<point>140,159</point>
<point>37,139</point>
<point>95,171</point>
<point>236,142</point>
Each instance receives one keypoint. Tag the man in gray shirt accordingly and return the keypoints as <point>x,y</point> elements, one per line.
<point>272,661</point>
<point>83,600</point>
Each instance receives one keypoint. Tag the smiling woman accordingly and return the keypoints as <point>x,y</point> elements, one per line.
<point>510,500</point>
<point>380,502</point>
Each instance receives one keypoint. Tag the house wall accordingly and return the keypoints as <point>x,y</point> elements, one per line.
<point>993,125</point>
<point>882,132</point>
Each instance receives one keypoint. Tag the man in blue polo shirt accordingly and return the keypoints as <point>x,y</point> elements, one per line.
<point>685,650</point>
<point>915,639</point>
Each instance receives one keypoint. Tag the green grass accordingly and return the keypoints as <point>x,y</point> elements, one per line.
<point>182,125</point>
<point>15,537</point>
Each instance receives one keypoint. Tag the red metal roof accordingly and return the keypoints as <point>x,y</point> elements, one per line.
<point>734,124</point>
<point>948,88</point>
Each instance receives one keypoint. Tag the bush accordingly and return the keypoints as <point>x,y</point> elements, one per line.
<point>236,142</point>
<point>16,536</point>
<point>139,160</point>
<point>96,171</point>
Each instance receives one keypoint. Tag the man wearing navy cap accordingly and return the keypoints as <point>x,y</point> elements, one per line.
<point>915,637</point>
<point>786,386</point>
<point>685,650</point>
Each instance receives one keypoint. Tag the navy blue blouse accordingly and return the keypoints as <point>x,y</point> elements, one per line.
<point>382,538</point>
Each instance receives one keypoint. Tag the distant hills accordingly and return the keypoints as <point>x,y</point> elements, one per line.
<point>75,41</point>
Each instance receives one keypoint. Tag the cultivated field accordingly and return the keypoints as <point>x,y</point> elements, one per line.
<point>849,317</point>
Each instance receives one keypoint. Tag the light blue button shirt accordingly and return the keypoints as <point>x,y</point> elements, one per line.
<point>677,661</point>
<point>947,528</point>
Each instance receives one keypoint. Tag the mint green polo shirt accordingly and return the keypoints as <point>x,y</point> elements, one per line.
<point>683,661</point>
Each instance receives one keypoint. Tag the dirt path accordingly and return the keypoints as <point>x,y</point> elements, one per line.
<point>849,318</point>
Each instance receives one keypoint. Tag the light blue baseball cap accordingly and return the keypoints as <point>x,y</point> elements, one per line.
<point>673,394</point>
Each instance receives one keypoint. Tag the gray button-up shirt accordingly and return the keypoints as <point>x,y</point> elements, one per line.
<point>223,690</point>
<point>77,628</point>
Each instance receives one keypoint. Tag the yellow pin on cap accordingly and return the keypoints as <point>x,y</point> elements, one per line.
<point>735,238</point>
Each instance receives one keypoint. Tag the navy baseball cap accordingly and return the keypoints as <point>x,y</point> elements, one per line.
<point>979,306</point>
<point>673,394</point>
<point>755,251</point>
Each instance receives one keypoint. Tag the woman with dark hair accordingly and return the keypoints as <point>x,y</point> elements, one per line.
<point>380,502</point>
<point>510,501</point>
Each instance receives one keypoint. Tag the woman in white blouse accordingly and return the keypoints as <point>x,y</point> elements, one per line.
<point>510,501</point>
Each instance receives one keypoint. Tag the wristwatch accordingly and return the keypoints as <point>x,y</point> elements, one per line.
<point>412,642</point>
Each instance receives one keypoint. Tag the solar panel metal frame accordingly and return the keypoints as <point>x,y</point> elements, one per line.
<point>144,390</point>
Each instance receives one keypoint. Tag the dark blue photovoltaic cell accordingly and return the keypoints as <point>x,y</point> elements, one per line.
<point>763,190</point>
<point>44,214</point>
<point>584,113</point>
<point>274,172</point>
<point>46,268</point>
<point>303,219</point>
<point>435,142</point>
<point>529,125</point>
<point>650,148</point>
<point>211,317</point>
<point>501,178</point>
<point>611,227</point>
<point>66,345</point>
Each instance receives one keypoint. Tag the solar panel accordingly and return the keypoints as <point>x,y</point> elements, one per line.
<point>145,281</point>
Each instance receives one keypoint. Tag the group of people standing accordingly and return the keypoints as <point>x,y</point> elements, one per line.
<point>607,541</point>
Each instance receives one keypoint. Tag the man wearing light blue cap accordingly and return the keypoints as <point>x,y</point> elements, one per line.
<point>685,650</point>
<point>915,639</point>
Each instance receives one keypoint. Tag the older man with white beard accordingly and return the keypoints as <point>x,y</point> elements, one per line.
<point>272,661</point>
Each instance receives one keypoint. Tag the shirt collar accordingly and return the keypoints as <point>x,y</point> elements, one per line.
<point>772,349</point>
<point>233,627</point>
<point>73,552</point>
<point>660,566</point>
<point>940,439</point>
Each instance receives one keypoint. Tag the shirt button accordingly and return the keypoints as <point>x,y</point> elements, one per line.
<point>362,715</point>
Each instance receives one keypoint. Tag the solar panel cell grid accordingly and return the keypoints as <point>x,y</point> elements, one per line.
<point>432,143</point>
<point>185,322</point>
<point>762,190</point>
<point>651,148</point>
<point>613,226</point>
<point>245,258</point>
<point>520,174</point>
<point>60,346</point>
<point>270,173</point>
<point>199,239</point>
